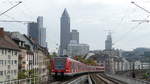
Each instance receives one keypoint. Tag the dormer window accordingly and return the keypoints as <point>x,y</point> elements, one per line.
<point>2,51</point>
<point>23,44</point>
<point>19,43</point>
<point>9,50</point>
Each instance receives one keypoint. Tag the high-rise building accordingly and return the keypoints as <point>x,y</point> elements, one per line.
<point>65,35</point>
<point>38,32</point>
<point>33,31</point>
<point>75,36</point>
<point>108,42</point>
<point>43,37</point>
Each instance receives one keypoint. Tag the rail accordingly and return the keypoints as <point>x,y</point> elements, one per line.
<point>128,80</point>
<point>79,80</point>
<point>104,79</point>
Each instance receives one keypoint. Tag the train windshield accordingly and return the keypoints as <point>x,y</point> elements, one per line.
<point>60,63</point>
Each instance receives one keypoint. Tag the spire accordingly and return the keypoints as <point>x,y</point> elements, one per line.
<point>65,13</point>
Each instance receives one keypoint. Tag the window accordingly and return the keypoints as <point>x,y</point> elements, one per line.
<point>9,57</point>
<point>5,62</point>
<point>15,61</point>
<point>9,61</point>
<point>12,53</point>
<point>8,77</point>
<point>15,72</point>
<point>15,52</point>
<point>8,71</point>
<point>12,71</point>
<point>1,62</point>
<point>12,62</point>
<point>5,72</point>
<point>1,73</point>
<point>5,51</point>
<point>9,51</point>
<point>8,66</point>
<point>2,52</point>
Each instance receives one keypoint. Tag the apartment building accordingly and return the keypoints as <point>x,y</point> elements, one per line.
<point>9,52</point>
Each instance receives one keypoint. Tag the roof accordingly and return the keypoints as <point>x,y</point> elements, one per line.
<point>6,42</point>
<point>65,13</point>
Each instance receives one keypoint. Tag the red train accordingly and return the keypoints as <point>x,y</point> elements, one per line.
<point>65,66</point>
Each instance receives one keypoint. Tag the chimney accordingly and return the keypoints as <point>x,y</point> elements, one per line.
<point>1,32</point>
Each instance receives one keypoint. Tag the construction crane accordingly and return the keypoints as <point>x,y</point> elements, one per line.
<point>143,10</point>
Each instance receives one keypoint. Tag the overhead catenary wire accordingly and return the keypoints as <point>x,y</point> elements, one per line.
<point>23,10</point>
<point>140,7</point>
<point>13,19</point>
<point>122,19</point>
<point>134,27</point>
<point>10,8</point>
<point>127,33</point>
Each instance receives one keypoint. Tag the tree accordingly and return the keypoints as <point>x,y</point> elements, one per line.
<point>86,61</point>
<point>22,75</point>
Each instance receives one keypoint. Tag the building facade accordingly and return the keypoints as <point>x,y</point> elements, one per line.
<point>75,49</point>
<point>9,52</point>
<point>75,35</point>
<point>33,58</point>
<point>26,51</point>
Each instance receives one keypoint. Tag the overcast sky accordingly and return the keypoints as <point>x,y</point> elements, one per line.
<point>90,17</point>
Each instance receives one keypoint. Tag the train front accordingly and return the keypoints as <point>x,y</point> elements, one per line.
<point>59,66</point>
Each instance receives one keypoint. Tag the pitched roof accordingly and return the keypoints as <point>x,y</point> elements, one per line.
<point>6,41</point>
<point>65,13</point>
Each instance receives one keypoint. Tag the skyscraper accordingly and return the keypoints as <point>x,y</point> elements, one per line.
<point>38,32</point>
<point>108,42</point>
<point>42,32</point>
<point>33,31</point>
<point>75,35</point>
<point>65,35</point>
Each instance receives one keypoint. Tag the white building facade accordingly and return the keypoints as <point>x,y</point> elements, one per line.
<point>8,64</point>
<point>8,58</point>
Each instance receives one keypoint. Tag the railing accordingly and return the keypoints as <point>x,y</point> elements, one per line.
<point>129,80</point>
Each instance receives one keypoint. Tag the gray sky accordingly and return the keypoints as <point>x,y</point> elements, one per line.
<point>90,17</point>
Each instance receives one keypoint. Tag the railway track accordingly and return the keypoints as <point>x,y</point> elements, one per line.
<point>104,79</point>
<point>67,80</point>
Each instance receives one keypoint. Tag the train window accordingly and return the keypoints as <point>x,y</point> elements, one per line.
<point>73,67</point>
<point>60,63</point>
